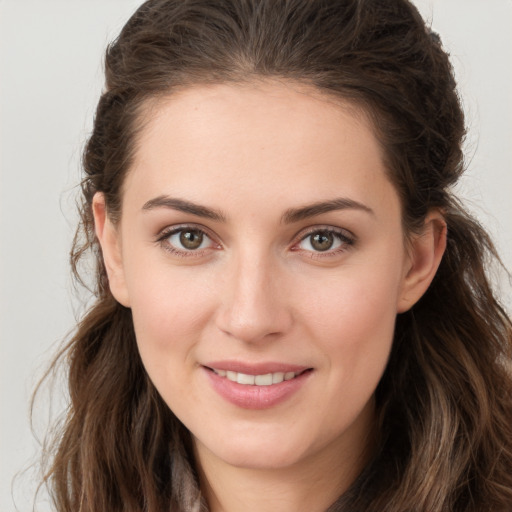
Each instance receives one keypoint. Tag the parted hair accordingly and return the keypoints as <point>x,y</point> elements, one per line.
<point>444,402</point>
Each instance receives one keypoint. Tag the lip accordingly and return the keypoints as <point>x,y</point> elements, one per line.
<point>256,397</point>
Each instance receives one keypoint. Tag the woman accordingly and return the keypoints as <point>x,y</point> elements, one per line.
<point>292,308</point>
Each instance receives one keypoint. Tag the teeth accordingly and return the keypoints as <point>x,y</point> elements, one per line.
<point>256,380</point>
<point>242,378</point>
<point>263,380</point>
<point>277,377</point>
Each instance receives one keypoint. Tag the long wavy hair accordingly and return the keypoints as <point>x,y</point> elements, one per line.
<point>445,401</point>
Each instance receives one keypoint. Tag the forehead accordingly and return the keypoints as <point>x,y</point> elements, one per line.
<point>218,140</point>
<point>224,108</point>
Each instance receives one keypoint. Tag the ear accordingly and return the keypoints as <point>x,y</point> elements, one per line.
<point>110,241</point>
<point>424,256</point>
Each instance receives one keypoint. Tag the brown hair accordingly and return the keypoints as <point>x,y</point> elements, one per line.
<point>445,400</point>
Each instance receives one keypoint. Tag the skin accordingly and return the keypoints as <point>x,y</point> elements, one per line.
<point>257,290</point>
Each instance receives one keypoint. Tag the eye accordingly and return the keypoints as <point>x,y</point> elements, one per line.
<point>189,239</point>
<point>325,241</point>
<point>185,240</point>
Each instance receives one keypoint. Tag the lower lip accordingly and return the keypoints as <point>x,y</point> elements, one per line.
<point>256,397</point>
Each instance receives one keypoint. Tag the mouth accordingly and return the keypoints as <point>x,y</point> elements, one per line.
<point>265,379</point>
<point>257,385</point>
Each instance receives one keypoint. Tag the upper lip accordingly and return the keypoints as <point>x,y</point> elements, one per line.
<point>255,368</point>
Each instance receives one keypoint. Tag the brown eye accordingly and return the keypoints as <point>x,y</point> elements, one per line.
<point>186,240</point>
<point>191,238</point>
<point>326,241</point>
<point>322,241</point>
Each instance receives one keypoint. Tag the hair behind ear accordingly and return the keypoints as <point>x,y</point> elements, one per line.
<point>445,400</point>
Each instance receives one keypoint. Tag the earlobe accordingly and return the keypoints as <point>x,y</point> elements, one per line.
<point>425,256</point>
<point>109,239</point>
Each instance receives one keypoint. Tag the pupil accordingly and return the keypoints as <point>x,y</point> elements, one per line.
<point>191,239</point>
<point>322,241</point>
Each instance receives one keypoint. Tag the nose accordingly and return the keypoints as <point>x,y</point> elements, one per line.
<point>254,304</point>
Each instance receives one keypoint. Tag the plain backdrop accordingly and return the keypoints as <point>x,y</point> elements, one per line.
<point>50,79</point>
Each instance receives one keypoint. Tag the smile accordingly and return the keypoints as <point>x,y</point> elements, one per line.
<point>260,386</point>
<point>266,379</point>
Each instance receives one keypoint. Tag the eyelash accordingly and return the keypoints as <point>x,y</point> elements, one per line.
<point>344,238</point>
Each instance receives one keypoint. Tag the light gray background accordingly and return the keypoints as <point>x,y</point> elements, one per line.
<point>50,79</point>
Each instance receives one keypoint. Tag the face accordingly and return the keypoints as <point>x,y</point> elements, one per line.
<point>261,251</point>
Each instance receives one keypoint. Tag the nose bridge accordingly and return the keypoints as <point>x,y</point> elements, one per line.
<point>254,306</point>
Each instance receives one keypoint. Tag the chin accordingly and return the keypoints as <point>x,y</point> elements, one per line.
<point>256,452</point>
<point>260,459</point>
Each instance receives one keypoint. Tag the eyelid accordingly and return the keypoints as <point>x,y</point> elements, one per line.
<point>174,228</point>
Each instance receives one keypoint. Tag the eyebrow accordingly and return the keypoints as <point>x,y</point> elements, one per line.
<point>342,203</point>
<point>289,217</point>
<point>184,206</point>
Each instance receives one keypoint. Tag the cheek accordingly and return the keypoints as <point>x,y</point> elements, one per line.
<point>169,314</point>
<point>169,309</point>
<point>354,322</point>
<point>358,301</point>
